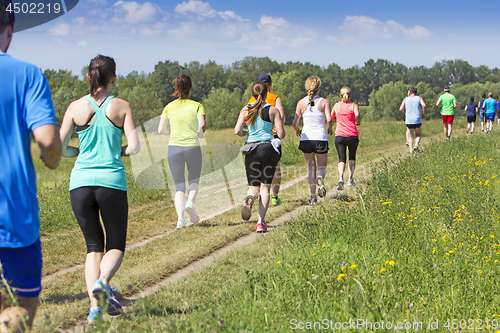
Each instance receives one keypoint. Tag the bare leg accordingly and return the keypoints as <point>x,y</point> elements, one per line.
<point>253,191</point>
<point>179,201</point>
<point>472,125</point>
<point>418,132</point>
<point>322,163</point>
<point>352,166</point>
<point>311,176</point>
<point>468,127</point>
<point>264,201</point>
<point>11,318</point>
<point>275,186</point>
<point>92,273</point>
<point>341,167</point>
<point>450,126</point>
<point>192,192</point>
<point>409,137</point>
<point>446,131</point>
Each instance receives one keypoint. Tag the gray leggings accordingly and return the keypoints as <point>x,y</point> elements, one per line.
<point>180,157</point>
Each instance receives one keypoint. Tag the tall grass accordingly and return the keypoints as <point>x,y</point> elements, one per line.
<point>419,247</point>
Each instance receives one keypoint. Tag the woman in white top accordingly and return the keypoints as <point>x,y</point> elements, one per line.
<point>313,136</point>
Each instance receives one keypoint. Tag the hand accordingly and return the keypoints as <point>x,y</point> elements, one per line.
<point>330,131</point>
<point>298,132</point>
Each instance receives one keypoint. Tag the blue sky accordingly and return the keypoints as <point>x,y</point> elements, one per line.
<point>139,34</point>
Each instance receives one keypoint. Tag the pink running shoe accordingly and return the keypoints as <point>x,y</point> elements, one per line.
<point>261,227</point>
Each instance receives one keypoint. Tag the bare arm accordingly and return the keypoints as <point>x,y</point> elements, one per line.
<point>328,115</point>
<point>454,104</point>
<point>161,125</point>
<point>298,114</point>
<point>355,109</point>
<point>133,145</point>
<point>202,124</point>
<point>238,129</point>
<point>67,126</point>
<point>279,106</point>
<point>47,137</point>
<point>278,123</point>
<point>334,114</point>
<point>424,107</point>
<point>402,107</point>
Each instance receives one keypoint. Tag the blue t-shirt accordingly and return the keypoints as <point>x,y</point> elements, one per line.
<point>490,105</point>
<point>471,108</point>
<point>25,104</point>
<point>481,102</point>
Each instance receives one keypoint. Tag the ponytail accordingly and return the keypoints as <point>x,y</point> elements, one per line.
<point>259,91</point>
<point>102,69</point>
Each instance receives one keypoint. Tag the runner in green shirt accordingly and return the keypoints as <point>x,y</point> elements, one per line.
<point>448,104</point>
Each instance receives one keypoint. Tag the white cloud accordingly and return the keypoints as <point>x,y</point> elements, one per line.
<point>61,29</point>
<point>131,12</point>
<point>82,43</point>
<point>204,9</point>
<point>364,26</point>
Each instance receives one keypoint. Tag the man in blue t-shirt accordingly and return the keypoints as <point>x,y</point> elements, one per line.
<point>25,108</point>
<point>490,107</point>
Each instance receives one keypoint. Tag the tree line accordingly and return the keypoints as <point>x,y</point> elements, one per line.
<point>223,90</point>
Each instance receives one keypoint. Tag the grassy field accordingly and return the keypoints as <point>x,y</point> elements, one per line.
<point>151,213</point>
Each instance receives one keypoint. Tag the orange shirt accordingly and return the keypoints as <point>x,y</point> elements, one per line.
<point>270,99</point>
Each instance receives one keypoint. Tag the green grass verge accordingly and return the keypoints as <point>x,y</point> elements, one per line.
<point>420,245</point>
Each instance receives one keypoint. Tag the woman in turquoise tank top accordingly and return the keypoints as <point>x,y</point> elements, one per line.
<point>98,184</point>
<point>261,150</point>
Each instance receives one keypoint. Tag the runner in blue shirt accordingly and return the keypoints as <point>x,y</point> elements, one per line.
<point>25,108</point>
<point>490,107</point>
<point>471,109</point>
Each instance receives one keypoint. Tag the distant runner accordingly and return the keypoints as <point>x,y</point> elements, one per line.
<point>274,100</point>
<point>448,104</point>
<point>261,150</point>
<point>187,124</point>
<point>481,111</point>
<point>471,109</point>
<point>346,114</point>
<point>490,107</point>
<point>414,108</point>
<point>313,136</point>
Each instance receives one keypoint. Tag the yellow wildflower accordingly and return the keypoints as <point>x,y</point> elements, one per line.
<point>340,277</point>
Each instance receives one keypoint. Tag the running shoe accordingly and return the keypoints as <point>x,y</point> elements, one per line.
<point>95,314</point>
<point>275,201</point>
<point>246,211</point>
<point>101,291</point>
<point>340,186</point>
<point>416,149</point>
<point>411,152</point>
<point>313,201</point>
<point>193,216</point>
<point>350,182</point>
<point>181,223</point>
<point>407,143</point>
<point>321,187</point>
<point>261,227</point>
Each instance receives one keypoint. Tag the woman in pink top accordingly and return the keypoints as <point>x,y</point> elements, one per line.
<point>346,114</point>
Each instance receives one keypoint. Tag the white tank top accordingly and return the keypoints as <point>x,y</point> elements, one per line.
<point>314,123</point>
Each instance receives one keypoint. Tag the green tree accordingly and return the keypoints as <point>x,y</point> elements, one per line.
<point>385,102</point>
<point>222,107</point>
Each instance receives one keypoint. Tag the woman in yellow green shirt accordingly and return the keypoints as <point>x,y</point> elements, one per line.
<point>187,124</point>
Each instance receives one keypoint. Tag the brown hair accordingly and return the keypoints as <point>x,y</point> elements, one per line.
<point>345,93</point>
<point>101,72</point>
<point>259,92</point>
<point>183,86</point>
<point>313,83</point>
<point>413,90</point>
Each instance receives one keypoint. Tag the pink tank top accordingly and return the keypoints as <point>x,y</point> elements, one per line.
<point>346,124</point>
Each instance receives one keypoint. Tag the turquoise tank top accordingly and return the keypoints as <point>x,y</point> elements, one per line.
<point>261,129</point>
<point>99,162</point>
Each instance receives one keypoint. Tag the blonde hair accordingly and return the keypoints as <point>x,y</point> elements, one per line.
<point>313,83</point>
<point>345,93</point>
<point>259,91</point>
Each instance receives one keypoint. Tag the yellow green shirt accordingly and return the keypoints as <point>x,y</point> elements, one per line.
<point>182,114</point>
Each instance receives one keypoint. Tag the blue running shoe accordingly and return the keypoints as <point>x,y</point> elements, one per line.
<point>193,216</point>
<point>101,291</point>
<point>181,223</point>
<point>95,314</point>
